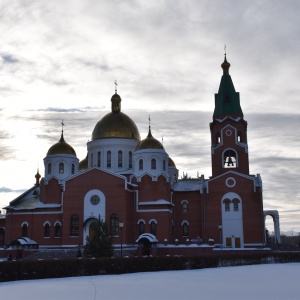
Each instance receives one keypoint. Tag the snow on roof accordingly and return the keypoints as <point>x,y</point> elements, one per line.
<point>156,202</point>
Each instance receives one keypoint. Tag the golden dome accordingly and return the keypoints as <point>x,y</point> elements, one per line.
<point>61,147</point>
<point>171,163</point>
<point>116,124</point>
<point>149,143</point>
<point>83,164</point>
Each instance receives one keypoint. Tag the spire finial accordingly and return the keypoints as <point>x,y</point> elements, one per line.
<point>225,50</point>
<point>225,65</point>
<point>116,86</point>
<point>62,126</point>
<point>149,121</point>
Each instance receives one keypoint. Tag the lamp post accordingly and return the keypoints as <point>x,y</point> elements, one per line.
<point>121,225</point>
<point>220,228</point>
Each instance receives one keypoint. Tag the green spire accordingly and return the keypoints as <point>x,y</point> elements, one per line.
<point>227,100</point>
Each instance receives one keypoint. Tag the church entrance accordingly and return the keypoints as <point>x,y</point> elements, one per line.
<point>147,244</point>
<point>93,229</point>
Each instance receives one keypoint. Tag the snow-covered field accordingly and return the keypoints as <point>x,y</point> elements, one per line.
<point>274,281</point>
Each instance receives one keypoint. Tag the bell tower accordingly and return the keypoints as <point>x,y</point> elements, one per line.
<point>229,148</point>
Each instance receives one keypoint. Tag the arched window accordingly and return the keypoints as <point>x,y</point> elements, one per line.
<point>25,229</point>
<point>92,160</point>
<point>108,163</point>
<point>235,204</point>
<point>239,136</point>
<point>230,159</point>
<point>73,169</point>
<point>130,160</point>
<point>227,204</point>
<point>57,230</point>
<point>153,164</point>
<point>185,228</point>
<point>61,168</point>
<point>75,225</point>
<point>120,159</point>
<point>141,227</point>
<point>114,225</point>
<point>99,159</point>
<point>164,165</point>
<point>218,138</point>
<point>47,230</point>
<point>49,168</point>
<point>141,164</point>
<point>153,227</point>
<point>185,206</point>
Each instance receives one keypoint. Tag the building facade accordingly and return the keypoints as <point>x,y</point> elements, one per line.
<point>133,186</point>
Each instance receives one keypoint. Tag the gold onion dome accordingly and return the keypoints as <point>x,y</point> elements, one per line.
<point>116,124</point>
<point>171,163</point>
<point>149,143</point>
<point>83,164</point>
<point>61,147</point>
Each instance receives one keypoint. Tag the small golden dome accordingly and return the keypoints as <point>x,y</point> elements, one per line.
<point>149,143</point>
<point>83,164</point>
<point>116,124</point>
<point>171,163</point>
<point>61,147</point>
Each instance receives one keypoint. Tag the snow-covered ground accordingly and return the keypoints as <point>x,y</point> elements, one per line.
<point>273,281</point>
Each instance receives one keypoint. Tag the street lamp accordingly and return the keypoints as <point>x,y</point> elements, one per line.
<point>220,228</point>
<point>121,225</point>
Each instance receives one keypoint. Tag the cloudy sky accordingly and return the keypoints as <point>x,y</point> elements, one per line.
<point>59,60</point>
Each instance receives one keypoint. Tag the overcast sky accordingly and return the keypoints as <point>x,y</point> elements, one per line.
<point>59,60</point>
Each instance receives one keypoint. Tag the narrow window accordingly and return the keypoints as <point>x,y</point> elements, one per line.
<point>92,159</point>
<point>235,204</point>
<point>185,229</point>
<point>141,163</point>
<point>130,160</point>
<point>185,206</point>
<point>99,159</point>
<point>57,230</point>
<point>239,137</point>
<point>47,230</point>
<point>61,168</point>
<point>141,227</point>
<point>114,225</point>
<point>120,160</point>
<point>73,169</point>
<point>164,165</point>
<point>227,204</point>
<point>218,138</point>
<point>108,159</point>
<point>49,168</point>
<point>153,227</point>
<point>25,230</point>
<point>153,164</point>
<point>75,225</point>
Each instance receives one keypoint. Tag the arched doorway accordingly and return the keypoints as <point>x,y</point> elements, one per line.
<point>147,244</point>
<point>275,216</point>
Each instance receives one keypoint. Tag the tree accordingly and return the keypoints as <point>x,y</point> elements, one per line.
<point>99,242</point>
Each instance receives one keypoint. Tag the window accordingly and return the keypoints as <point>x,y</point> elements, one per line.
<point>141,164</point>
<point>24,230</point>
<point>235,204</point>
<point>57,230</point>
<point>141,227</point>
<point>153,227</point>
<point>73,169</point>
<point>120,160</point>
<point>185,206</point>
<point>164,165</point>
<point>47,230</point>
<point>130,160</point>
<point>218,138</point>
<point>153,164</point>
<point>114,225</point>
<point>95,199</point>
<point>229,159</point>
<point>239,137</point>
<point>61,168</point>
<point>99,159</point>
<point>92,158</point>
<point>185,228</point>
<point>75,225</point>
<point>227,204</point>
<point>108,163</point>
<point>49,168</point>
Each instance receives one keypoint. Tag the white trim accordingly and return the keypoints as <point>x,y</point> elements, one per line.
<point>141,220</point>
<point>185,221</point>
<point>47,222</point>
<point>155,221</point>
<point>25,223</point>
<point>57,222</point>
<point>184,201</point>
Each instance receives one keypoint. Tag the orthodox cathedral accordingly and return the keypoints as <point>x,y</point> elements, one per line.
<point>132,184</point>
